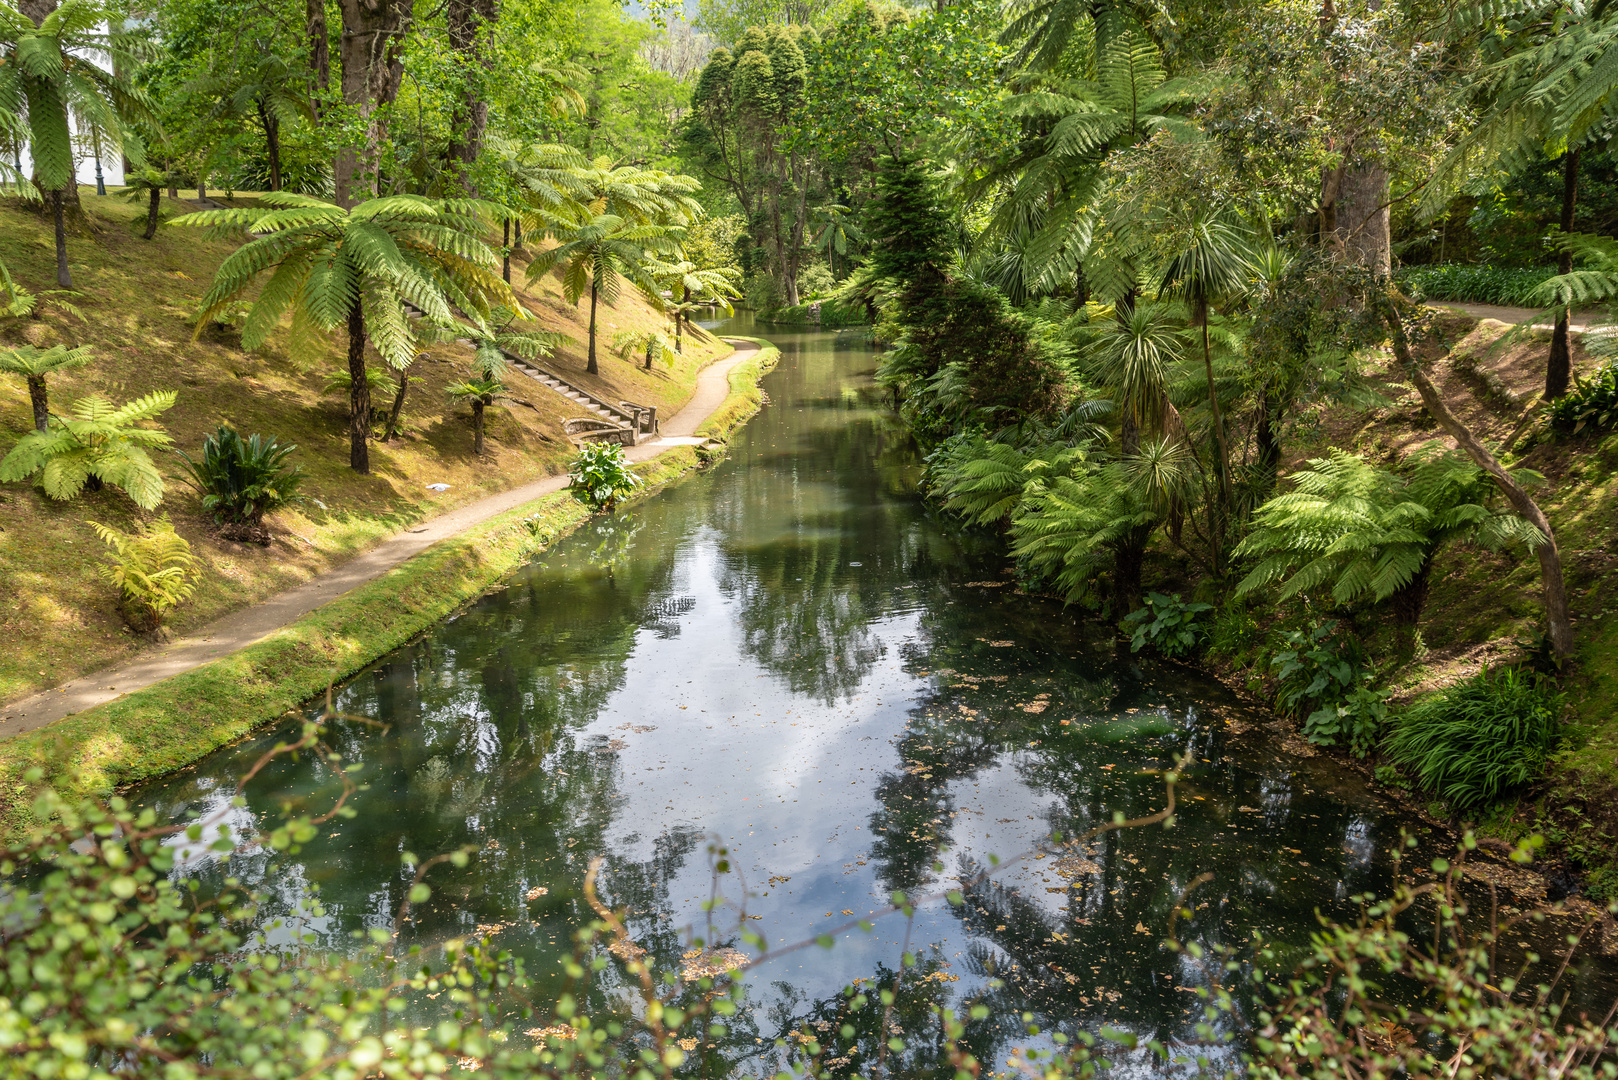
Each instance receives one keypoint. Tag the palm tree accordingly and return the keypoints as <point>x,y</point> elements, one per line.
<point>147,185</point>
<point>361,269</point>
<point>598,255</point>
<point>266,88</point>
<point>1210,264</point>
<point>481,392</point>
<point>546,184</point>
<point>33,365</point>
<point>50,70</point>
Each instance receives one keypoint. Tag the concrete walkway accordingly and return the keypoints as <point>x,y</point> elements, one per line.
<point>252,624</point>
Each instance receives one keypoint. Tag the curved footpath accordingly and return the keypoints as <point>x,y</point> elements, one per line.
<point>253,624</point>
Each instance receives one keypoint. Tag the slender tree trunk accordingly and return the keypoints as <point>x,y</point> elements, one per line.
<point>64,276</point>
<point>36,395</point>
<point>1559,366</point>
<point>359,395</point>
<point>679,321</point>
<point>314,26</point>
<point>272,143</point>
<point>174,190</point>
<point>153,200</point>
<point>1218,418</point>
<point>466,21</point>
<point>202,186</point>
<point>398,407</point>
<point>477,426</point>
<point>505,244</point>
<point>590,365</point>
<point>1550,558</point>
<point>649,342</point>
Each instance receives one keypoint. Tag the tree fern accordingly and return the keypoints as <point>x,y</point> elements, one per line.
<point>361,269</point>
<point>33,365</point>
<point>153,570</point>
<point>97,443</point>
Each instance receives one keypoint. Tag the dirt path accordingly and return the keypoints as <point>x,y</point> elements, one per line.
<point>242,628</point>
<point>1513,315</point>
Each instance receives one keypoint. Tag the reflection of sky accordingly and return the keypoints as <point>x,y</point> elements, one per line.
<point>838,728</point>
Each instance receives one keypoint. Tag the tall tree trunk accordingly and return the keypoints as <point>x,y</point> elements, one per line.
<point>477,426</point>
<point>64,276</point>
<point>1559,365</point>
<point>505,247</point>
<point>649,342</point>
<point>1550,558</point>
<point>1361,219</point>
<point>468,23</point>
<point>1218,417</point>
<point>36,395</point>
<point>1128,561</point>
<point>372,55</point>
<point>590,365</point>
<point>154,198</point>
<point>359,395</point>
<point>314,26</point>
<point>398,407</point>
<point>202,186</point>
<point>272,143</point>
<point>679,321</point>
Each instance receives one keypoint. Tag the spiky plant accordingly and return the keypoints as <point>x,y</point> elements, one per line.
<point>480,394</point>
<point>55,68</point>
<point>598,255</point>
<point>1368,533</point>
<point>358,268</point>
<point>97,443</point>
<point>1131,356</point>
<point>240,480</point>
<point>153,570</point>
<point>34,364</point>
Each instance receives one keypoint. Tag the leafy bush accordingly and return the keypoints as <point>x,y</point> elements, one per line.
<point>1319,678</point>
<point>1589,404</point>
<point>601,475</point>
<point>241,480</point>
<point>1167,624</point>
<point>99,443</point>
<point>1511,286</point>
<point>1478,738</point>
<point>153,571</point>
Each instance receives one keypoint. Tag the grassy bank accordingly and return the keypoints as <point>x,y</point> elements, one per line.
<point>175,722</point>
<point>134,308</point>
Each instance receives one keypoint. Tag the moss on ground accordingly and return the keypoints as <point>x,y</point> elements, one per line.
<point>135,309</point>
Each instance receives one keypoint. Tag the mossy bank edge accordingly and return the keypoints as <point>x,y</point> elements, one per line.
<point>177,721</point>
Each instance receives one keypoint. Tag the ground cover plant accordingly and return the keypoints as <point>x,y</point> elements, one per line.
<point>1478,284</point>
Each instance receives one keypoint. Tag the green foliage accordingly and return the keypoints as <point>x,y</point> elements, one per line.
<point>1166,623</point>
<point>241,480</point>
<point>1473,741</point>
<point>97,443</point>
<point>1318,678</point>
<point>153,570</point>
<point>479,393</point>
<point>339,381</point>
<point>601,475</point>
<point>1367,533</point>
<point>1592,403</point>
<point>34,364</point>
<point>1510,286</point>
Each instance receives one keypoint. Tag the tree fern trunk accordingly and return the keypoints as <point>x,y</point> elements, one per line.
<point>64,277</point>
<point>590,365</point>
<point>36,395</point>
<point>477,426</point>
<point>1410,600</point>
<point>1559,365</point>
<point>151,213</point>
<point>398,407</point>
<point>359,395</point>
<point>505,243</point>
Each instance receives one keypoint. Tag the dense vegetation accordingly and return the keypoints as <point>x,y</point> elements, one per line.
<point>1148,276</point>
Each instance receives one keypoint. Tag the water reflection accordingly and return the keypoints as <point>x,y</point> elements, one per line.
<point>791,656</point>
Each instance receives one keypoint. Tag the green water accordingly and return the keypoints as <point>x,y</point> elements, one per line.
<point>792,656</point>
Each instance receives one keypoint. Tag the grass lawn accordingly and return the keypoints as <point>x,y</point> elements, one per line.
<point>135,305</point>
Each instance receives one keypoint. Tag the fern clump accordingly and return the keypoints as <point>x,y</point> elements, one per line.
<point>1475,740</point>
<point>97,444</point>
<point>1367,533</point>
<point>153,570</point>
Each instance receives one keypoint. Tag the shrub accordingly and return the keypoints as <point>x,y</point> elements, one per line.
<point>1167,624</point>
<point>601,475</point>
<point>1512,286</point>
<point>1319,678</point>
<point>241,480</point>
<point>153,571</point>
<point>1590,404</point>
<point>1476,739</point>
<point>99,443</point>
